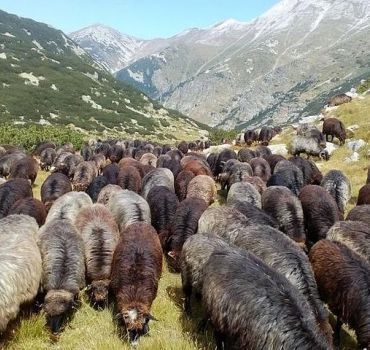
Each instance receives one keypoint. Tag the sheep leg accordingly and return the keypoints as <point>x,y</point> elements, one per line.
<point>337,329</point>
<point>219,340</point>
<point>187,303</point>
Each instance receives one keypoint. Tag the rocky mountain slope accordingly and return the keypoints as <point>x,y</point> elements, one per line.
<point>280,66</point>
<point>46,78</point>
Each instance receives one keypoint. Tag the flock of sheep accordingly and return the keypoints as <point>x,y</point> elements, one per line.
<point>264,263</point>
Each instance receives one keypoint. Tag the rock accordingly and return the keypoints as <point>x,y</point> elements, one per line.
<point>330,147</point>
<point>354,157</point>
<point>353,127</point>
<point>356,145</point>
<point>311,119</point>
<point>279,149</point>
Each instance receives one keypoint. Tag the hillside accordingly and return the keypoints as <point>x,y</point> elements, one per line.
<point>46,78</point>
<point>282,65</point>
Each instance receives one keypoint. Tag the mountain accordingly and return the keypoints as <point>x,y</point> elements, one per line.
<point>107,46</point>
<point>46,78</point>
<point>280,66</point>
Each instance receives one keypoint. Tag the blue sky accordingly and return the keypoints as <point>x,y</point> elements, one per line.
<point>142,18</point>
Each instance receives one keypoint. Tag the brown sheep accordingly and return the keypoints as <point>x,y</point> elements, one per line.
<point>106,193</point>
<point>364,195</point>
<point>343,279</point>
<point>54,187</point>
<point>181,183</point>
<point>136,270</point>
<point>32,207</point>
<point>25,168</point>
<point>198,167</point>
<point>84,175</point>
<point>129,178</point>
<point>100,234</point>
<point>203,187</point>
<point>261,168</point>
<point>334,127</point>
<point>339,100</point>
<point>320,211</point>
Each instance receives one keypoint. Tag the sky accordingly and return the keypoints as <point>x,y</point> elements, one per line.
<point>145,19</point>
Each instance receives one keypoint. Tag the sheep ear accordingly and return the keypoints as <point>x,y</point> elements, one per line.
<point>171,254</point>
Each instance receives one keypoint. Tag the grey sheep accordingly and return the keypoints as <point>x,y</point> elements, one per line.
<point>309,145</point>
<point>195,253</point>
<point>127,207</point>
<point>354,234</point>
<point>157,177</point>
<point>107,192</point>
<point>21,269</point>
<point>244,192</point>
<point>285,207</point>
<point>100,234</point>
<point>339,186</point>
<point>290,173</point>
<point>68,206</point>
<point>63,264</point>
<point>254,306</point>
<point>276,250</point>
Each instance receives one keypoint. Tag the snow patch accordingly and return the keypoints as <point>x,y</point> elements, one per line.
<point>115,102</point>
<point>27,31</point>
<point>279,149</point>
<point>37,44</point>
<point>356,145</point>
<point>53,115</point>
<point>3,56</point>
<point>127,100</point>
<point>53,87</point>
<point>31,79</point>
<point>138,76</point>
<point>87,99</point>
<point>5,85</point>
<point>9,35</point>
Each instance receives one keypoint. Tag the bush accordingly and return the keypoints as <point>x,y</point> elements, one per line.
<point>364,87</point>
<point>29,136</point>
<point>216,135</point>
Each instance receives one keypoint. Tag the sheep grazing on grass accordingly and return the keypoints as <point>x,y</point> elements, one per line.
<point>136,269</point>
<point>129,179</point>
<point>244,192</point>
<point>334,127</point>
<point>181,183</point>
<point>127,207</point>
<point>343,278</point>
<point>184,225</point>
<point>360,213</point>
<point>63,263</point>
<point>55,186</point>
<point>274,248</point>
<point>195,252</point>
<point>20,271</point>
<point>68,206</point>
<point>354,234</point>
<point>12,191</point>
<point>202,187</point>
<point>107,193</point>
<point>100,234</point>
<point>339,187</point>
<point>320,212</point>
<point>251,306</point>
<point>163,204</point>
<point>285,207</point>
<point>32,207</point>
<point>157,177</point>
<point>84,175</point>
<point>25,168</point>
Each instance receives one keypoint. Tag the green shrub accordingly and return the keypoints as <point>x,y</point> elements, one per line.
<point>216,135</point>
<point>31,135</point>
